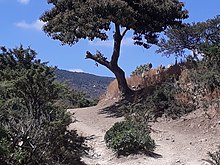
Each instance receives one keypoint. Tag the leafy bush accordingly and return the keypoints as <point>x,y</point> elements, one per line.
<point>214,158</point>
<point>126,137</point>
<point>156,102</point>
<point>33,130</point>
<point>205,78</point>
<point>70,98</point>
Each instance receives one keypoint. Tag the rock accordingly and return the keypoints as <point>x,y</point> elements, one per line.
<point>178,161</point>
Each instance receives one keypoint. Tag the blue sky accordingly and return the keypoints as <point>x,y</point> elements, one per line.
<point>19,20</point>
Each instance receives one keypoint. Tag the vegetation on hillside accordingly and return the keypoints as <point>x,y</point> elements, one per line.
<point>33,128</point>
<point>93,86</point>
<point>70,98</point>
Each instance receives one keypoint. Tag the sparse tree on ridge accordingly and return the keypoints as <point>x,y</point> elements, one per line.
<point>69,21</point>
<point>201,38</point>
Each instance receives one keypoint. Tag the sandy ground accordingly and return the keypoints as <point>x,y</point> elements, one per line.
<point>185,141</point>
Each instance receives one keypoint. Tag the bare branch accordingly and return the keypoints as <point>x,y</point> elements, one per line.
<point>124,32</point>
<point>98,57</point>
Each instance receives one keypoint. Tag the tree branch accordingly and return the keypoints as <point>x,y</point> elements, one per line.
<point>124,32</point>
<point>98,57</point>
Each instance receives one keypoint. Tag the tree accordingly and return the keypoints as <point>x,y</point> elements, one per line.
<point>33,130</point>
<point>201,38</point>
<point>69,21</point>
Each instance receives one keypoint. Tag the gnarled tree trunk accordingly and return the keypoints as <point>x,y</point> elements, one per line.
<point>113,64</point>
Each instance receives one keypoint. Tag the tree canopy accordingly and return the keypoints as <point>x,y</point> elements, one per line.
<point>201,38</point>
<point>69,21</point>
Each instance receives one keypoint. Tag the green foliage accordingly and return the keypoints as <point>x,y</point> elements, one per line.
<point>33,129</point>
<point>206,79</point>
<point>127,137</point>
<point>201,38</point>
<point>156,102</point>
<point>69,21</point>
<point>140,69</point>
<point>162,102</point>
<point>70,98</point>
<point>178,39</point>
<point>214,158</point>
<point>212,55</point>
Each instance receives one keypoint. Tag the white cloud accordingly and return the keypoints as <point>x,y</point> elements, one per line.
<point>24,1</point>
<point>109,43</point>
<point>76,70</point>
<point>36,25</point>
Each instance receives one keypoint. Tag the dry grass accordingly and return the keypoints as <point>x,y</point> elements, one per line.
<point>183,98</point>
<point>159,75</point>
<point>136,82</point>
<point>112,90</point>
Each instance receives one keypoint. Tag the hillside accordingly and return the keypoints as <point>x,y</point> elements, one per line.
<point>182,116</point>
<point>94,86</point>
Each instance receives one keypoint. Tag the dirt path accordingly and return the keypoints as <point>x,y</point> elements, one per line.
<point>182,142</point>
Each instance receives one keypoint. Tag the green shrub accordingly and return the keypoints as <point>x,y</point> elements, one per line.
<point>70,98</point>
<point>33,130</point>
<point>204,77</point>
<point>158,102</point>
<point>127,137</point>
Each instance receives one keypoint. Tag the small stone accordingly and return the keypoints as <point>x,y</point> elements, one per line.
<point>184,119</point>
<point>203,140</point>
<point>178,161</point>
<point>173,140</point>
<point>159,139</point>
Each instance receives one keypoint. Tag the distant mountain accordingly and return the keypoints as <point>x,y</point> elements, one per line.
<point>94,86</point>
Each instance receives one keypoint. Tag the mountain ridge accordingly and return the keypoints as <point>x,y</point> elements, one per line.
<point>92,85</point>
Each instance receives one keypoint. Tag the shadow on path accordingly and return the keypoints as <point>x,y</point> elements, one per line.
<point>112,111</point>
